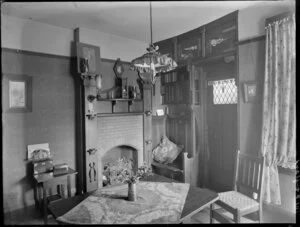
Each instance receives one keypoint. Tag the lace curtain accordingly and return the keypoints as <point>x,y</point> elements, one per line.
<point>279,115</point>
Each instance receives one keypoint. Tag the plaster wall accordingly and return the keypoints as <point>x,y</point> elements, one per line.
<point>24,34</point>
<point>252,19</point>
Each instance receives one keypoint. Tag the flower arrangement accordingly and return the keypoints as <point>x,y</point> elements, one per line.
<point>122,171</point>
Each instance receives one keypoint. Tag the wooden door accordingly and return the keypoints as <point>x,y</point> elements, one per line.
<point>221,133</point>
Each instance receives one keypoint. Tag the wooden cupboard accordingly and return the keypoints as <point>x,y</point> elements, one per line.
<point>207,41</point>
<point>221,35</point>
<point>183,92</point>
<point>190,45</point>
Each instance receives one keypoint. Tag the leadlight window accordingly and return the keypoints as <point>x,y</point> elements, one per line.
<point>224,91</point>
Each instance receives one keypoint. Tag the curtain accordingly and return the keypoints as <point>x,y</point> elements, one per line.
<point>279,114</point>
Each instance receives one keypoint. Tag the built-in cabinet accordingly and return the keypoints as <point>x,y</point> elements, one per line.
<point>190,45</point>
<point>208,41</point>
<point>181,88</point>
<point>166,47</point>
<point>221,36</point>
<point>180,91</point>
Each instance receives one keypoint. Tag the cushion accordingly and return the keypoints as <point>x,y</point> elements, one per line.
<point>166,151</point>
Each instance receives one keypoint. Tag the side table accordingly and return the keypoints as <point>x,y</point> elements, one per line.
<point>48,180</point>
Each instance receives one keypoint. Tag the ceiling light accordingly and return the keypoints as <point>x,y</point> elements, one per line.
<point>151,63</point>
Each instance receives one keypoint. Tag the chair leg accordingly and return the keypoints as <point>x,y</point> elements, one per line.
<point>260,215</point>
<point>212,207</point>
<point>237,216</point>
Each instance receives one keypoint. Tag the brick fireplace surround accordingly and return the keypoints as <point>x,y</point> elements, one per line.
<point>114,131</point>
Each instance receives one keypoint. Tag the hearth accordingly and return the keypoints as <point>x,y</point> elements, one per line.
<point>112,159</point>
<point>119,136</point>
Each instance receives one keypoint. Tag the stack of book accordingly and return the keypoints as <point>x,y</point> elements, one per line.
<point>60,169</point>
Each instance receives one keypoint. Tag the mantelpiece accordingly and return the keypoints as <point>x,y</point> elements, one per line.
<point>115,101</point>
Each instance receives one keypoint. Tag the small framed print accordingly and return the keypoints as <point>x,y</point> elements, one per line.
<point>88,57</point>
<point>18,90</point>
<point>250,90</point>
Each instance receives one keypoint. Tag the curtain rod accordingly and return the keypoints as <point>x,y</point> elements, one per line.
<point>278,17</point>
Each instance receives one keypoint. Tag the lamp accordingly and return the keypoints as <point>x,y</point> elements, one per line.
<point>151,63</point>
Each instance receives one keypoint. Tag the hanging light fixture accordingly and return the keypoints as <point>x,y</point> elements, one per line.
<point>151,63</point>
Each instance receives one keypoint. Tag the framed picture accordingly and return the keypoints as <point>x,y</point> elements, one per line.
<point>17,92</point>
<point>250,91</point>
<point>88,57</point>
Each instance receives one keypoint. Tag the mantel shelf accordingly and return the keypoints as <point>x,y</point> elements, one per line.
<point>118,114</point>
<point>115,101</point>
<point>120,99</point>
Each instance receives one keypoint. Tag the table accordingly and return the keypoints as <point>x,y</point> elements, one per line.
<point>48,180</point>
<point>196,200</point>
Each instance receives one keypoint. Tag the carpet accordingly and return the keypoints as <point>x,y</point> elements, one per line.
<point>157,203</point>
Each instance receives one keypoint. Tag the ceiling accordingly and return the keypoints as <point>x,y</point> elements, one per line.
<point>126,19</point>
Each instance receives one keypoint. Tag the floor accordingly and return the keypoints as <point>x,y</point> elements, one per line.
<point>30,217</point>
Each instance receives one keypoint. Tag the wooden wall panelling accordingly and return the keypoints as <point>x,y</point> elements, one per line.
<point>200,129</point>
<point>147,120</point>
<point>205,157</point>
<point>80,134</point>
<point>80,123</point>
<point>91,139</point>
<point>158,129</point>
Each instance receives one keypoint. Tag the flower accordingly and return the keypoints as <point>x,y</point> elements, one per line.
<point>122,171</point>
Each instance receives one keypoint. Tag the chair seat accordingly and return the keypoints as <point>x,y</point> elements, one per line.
<point>238,201</point>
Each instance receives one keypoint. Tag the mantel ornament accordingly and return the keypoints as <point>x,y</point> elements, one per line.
<point>215,42</point>
<point>118,68</point>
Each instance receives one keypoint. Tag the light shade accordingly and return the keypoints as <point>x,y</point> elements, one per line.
<point>152,63</point>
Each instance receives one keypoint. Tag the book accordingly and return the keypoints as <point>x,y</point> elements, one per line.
<point>60,169</point>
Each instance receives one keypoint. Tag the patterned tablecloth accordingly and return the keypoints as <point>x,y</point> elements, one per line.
<point>157,202</point>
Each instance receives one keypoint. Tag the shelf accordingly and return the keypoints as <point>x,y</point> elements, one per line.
<point>118,114</point>
<point>114,101</point>
<point>120,99</point>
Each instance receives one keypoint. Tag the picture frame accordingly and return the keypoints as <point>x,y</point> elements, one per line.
<point>88,57</point>
<point>250,91</point>
<point>17,92</point>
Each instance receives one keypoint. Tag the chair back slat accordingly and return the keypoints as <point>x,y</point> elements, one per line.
<point>260,176</point>
<point>249,174</point>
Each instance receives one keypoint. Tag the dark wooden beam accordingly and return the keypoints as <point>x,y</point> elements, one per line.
<point>251,40</point>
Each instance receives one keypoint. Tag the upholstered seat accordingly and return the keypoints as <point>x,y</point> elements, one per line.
<point>238,201</point>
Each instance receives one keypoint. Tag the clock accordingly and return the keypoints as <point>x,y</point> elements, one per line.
<point>118,68</point>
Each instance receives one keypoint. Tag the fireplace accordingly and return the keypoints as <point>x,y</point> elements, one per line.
<point>115,155</point>
<point>119,136</point>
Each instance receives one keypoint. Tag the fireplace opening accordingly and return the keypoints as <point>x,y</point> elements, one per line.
<point>114,160</point>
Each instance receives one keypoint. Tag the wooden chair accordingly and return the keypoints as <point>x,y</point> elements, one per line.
<point>246,197</point>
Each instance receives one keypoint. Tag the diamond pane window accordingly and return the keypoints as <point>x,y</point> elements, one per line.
<point>224,91</point>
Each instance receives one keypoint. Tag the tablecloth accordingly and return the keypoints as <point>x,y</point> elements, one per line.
<point>157,202</point>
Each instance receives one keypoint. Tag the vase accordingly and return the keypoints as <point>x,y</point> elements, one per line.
<point>131,191</point>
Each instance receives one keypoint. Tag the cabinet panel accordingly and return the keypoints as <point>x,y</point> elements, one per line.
<point>221,36</point>
<point>166,47</point>
<point>189,45</point>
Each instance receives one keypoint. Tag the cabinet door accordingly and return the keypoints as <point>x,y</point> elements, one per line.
<point>183,79</point>
<point>221,36</point>
<point>166,47</point>
<point>189,45</point>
